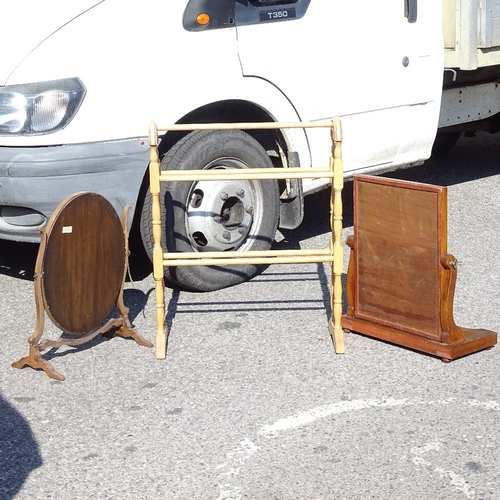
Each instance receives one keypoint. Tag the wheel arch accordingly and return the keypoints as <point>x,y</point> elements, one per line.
<point>275,142</point>
<point>232,111</point>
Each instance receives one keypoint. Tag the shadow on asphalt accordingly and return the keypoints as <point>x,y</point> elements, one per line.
<point>19,451</point>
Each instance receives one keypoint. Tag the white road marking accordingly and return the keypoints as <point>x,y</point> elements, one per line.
<point>488,405</point>
<point>230,470</point>
<point>310,416</point>
<point>458,482</point>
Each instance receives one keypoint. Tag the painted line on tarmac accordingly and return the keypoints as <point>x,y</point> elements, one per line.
<point>310,416</point>
<point>457,481</point>
<point>247,448</point>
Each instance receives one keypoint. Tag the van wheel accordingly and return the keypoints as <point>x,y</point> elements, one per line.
<point>207,216</point>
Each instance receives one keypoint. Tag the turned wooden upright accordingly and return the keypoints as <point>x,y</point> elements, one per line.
<point>401,280</point>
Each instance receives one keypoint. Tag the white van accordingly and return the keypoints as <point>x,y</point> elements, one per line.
<point>80,81</point>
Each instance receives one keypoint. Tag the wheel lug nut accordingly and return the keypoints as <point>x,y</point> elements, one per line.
<point>249,209</point>
<point>242,230</point>
<point>217,218</point>
<point>241,193</point>
<point>224,196</point>
<point>226,235</point>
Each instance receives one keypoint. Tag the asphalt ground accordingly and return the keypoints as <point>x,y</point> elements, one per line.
<point>252,401</point>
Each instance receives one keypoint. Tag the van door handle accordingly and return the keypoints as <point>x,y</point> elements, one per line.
<point>411,9</point>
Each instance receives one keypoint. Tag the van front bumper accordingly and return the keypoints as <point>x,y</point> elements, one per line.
<point>34,181</point>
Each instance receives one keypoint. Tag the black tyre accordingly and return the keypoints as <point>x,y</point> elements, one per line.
<point>214,215</point>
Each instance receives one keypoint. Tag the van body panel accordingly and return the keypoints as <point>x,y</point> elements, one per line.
<point>26,24</point>
<point>372,82</point>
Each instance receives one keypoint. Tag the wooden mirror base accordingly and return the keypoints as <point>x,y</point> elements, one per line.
<point>116,326</point>
<point>454,341</point>
<point>473,341</point>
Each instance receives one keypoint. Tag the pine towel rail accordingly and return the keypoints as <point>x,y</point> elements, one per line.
<point>333,254</point>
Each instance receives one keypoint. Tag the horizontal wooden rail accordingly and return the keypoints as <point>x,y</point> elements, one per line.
<point>321,252</point>
<point>245,174</point>
<point>220,261</point>
<point>333,254</point>
<point>189,127</point>
<point>178,127</point>
<point>247,257</point>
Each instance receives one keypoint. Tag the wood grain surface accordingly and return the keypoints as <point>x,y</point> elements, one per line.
<point>83,264</point>
<point>400,232</point>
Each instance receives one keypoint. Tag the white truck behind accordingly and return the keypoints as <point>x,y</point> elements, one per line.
<point>80,81</point>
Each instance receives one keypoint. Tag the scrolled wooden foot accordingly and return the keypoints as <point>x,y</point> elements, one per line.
<point>127,332</point>
<point>35,360</point>
<point>123,328</point>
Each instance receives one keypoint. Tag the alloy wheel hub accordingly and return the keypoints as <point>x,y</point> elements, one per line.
<point>220,214</point>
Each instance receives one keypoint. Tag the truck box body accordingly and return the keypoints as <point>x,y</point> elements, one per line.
<point>471,32</point>
<point>471,95</point>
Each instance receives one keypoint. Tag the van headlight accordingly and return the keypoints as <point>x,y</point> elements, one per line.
<point>39,108</point>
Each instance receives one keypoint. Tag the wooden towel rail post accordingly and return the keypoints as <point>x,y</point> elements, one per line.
<point>333,254</point>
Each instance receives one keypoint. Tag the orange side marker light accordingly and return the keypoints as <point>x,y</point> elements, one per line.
<point>203,19</point>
